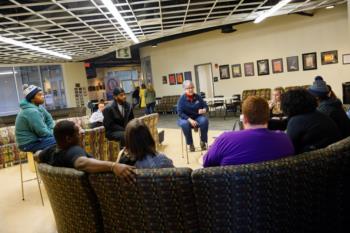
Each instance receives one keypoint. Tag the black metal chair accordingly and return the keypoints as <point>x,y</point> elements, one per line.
<point>233,106</point>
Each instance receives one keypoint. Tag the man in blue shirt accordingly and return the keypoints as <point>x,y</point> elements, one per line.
<point>191,109</point>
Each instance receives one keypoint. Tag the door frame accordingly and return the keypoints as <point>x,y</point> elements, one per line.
<point>197,78</point>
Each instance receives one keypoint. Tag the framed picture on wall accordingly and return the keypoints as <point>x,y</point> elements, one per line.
<point>249,69</point>
<point>165,80</point>
<point>188,75</point>
<point>346,58</point>
<point>172,79</point>
<point>277,65</point>
<point>329,57</point>
<point>179,78</point>
<point>309,61</point>
<point>215,79</point>
<point>224,71</point>
<point>263,67</point>
<point>236,71</point>
<point>292,63</point>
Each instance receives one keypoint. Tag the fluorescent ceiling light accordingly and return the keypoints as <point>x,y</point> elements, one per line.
<point>114,11</point>
<point>275,8</point>
<point>33,47</point>
<point>329,7</point>
<point>7,72</point>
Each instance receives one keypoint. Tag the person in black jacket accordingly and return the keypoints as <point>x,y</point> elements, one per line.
<point>330,106</point>
<point>116,116</point>
<point>308,128</point>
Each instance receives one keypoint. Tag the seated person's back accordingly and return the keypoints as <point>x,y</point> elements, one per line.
<point>254,144</point>
<point>141,147</point>
<point>307,128</point>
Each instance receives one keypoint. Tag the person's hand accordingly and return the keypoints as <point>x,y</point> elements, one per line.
<point>193,123</point>
<point>202,111</point>
<point>125,172</point>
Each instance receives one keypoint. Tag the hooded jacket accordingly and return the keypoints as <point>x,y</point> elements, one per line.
<point>32,122</point>
<point>334,109</point>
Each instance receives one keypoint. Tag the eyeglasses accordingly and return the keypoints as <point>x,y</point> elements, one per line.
<point>189,88</point>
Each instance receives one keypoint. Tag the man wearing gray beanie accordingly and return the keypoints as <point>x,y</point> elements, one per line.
<point>331,107</point>
<point>34,124</point>
<point>116,116</point>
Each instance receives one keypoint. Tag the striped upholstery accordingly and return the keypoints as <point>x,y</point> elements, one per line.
<point>151,121</point>
<point>9,153</point>
<point>264,93</point>
<point>72,199</point>
<point>304,193</point>
<point>160,201</point>
<point>247,93</point>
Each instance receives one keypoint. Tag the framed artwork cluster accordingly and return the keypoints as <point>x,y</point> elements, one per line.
<point>309,62</point>
<point>177,78</point>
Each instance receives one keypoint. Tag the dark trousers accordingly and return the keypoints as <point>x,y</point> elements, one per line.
<point>40,144</point>
<point>187,129</point>
<point>118,136</point>
<point>150,108</point>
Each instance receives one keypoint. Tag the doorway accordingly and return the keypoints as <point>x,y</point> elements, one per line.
<point>204,79</point>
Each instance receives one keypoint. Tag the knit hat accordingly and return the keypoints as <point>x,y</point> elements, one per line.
<point>118,90</point>
<point>319,87</point>
<point>29,91</point>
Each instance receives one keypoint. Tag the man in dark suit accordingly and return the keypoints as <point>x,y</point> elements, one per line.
<point>116,116</point>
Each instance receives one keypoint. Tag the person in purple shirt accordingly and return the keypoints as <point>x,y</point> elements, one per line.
<point>253,144</point>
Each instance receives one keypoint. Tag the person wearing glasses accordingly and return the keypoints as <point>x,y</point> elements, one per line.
<point>191,109</point>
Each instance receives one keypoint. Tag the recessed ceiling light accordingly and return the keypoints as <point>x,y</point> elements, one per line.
<point>329,7</point>
<point>154,46</point>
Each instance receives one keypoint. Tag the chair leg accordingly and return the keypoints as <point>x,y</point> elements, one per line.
<point>37,178</point>
<point>182,144</point>
<point>21,171</point>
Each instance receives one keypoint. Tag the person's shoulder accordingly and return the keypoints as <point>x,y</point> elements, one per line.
<point>76,150</point>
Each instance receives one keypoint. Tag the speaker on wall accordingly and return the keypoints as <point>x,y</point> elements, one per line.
<point>346,93</point>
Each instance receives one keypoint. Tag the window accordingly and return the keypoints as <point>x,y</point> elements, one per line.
<point>8,92</point>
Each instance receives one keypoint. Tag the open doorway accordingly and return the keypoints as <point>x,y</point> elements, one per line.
<point>204,79</point>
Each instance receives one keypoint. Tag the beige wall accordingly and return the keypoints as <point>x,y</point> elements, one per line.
<point>277,37</point>
<point>74,73</point>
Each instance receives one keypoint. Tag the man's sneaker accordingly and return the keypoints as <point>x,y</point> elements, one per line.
<point>192,149</point>
<point>203,146</point>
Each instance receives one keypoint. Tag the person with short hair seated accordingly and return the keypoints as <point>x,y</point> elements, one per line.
<point>254,144</point>
<point>191,109</point>
<point>116,116</point>
<point>96,119</point>
<point>308,128</point>
<point>69,154</point>
<point>140,147</point>
<point>330,105</point>
<point>33,127</point>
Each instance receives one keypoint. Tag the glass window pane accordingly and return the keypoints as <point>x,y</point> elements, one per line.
<point>8,92</point>
<point>27,75</point>
<point>52,79</point>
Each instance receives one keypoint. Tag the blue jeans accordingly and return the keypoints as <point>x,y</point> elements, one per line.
<point>187,129</point>
<point>150,108</point>
<point>40,144</point>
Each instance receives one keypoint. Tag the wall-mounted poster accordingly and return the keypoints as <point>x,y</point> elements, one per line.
<point>165,80</point>
<point>329,57</point>
<point>249,69</point>
<point>188,75</point>
<point>179,78</point>
<point>309,61</point>
<point>277,65</point>
<point>236,70</point>
<point>224,71</point>
<point>263,67</point>
<point>215,79</point>
<point>172,80</point>
<point>292,63</point>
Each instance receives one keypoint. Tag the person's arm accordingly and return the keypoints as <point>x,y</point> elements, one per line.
<point>131,115</point>
<point>48,119</point>
<point>37,124</point>
<point>294,133</point>
<point>180,110</point>
<point>93,117</point>
<point>91,165</point>
<point>203,103</point>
